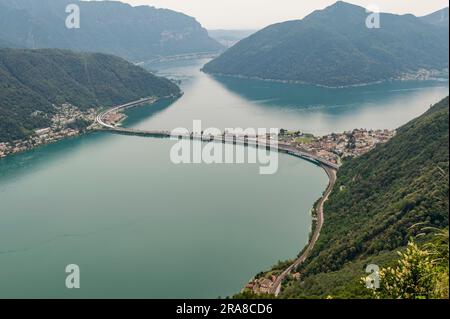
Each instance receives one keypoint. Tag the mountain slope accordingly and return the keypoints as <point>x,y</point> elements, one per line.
<point>377,200</point>
<point>34,80</point>
<point>438,18</point>
<point>135,33</point>
<point>333,47</point>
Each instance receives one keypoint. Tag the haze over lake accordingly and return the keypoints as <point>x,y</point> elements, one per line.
<point>140,226</point>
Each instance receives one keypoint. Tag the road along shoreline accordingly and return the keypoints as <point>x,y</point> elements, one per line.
<point>329,168</point>
<point>276,287</point>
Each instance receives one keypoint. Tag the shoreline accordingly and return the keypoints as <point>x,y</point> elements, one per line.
<point>88,130</point>
<point>78,134</point>
<point>402,78</point>
<point>274,288</point>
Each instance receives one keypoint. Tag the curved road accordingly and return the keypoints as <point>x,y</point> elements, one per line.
<point>330,169</point>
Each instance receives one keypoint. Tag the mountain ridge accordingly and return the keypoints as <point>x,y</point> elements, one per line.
<point>439,18</point>
<point>112,27</point>
<point>333,47</point>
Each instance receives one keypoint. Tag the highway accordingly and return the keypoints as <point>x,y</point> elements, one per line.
<point>101,117</point>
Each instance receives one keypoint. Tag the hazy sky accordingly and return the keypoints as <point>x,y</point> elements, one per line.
<point>255,14</point>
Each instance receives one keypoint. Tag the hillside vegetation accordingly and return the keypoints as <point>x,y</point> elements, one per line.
<point>381,201</point>
<point>333,47</point>
<point>32,81</point>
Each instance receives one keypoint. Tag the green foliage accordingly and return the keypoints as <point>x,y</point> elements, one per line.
<point>344,283</point>
<point>377,199</point>
<point>410,278</point>
<point>304,139</point>
<point>333,47</point>
<point>32,81</point>
<point>79,124</point>
<point>282,265</point>
<point>421,272</point>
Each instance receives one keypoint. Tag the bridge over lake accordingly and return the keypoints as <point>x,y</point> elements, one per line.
<point>265,141</point>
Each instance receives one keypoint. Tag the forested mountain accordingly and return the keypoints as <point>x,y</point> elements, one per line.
<point>31,81</point>
<point>135,33</point>
<point>334,47</point>
<point>380,201</point>
<point>439,18</point>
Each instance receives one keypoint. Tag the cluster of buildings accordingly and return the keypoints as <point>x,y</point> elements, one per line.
<point>336,146</point>
<point>64,123</point>
<point>114,118</point>
<point>424,74</point>
<point>264,284</point>
<point>3,149</point>
<point>261,285</point>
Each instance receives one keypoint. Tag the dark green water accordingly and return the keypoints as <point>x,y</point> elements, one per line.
<point>140,226</point>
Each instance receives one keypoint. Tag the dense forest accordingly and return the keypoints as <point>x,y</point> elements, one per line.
<point>33,81</point>
<point>334,47</point>
<point>394,194</point>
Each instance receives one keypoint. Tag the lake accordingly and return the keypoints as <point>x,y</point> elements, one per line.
<point>140,226</point>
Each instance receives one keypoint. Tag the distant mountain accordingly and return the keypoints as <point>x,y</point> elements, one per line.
<point>31,81</point>
<point>380,201</point>
<point>333,47</point>
<point>439,18</point>
<point>229,38</point>
<point>135,33</point>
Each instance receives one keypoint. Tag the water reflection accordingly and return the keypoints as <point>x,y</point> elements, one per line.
<point>225,102</point>
<point>311,98</point>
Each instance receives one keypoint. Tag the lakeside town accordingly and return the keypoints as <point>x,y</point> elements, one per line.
<point>337,146</point>
<point>67,121</point>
